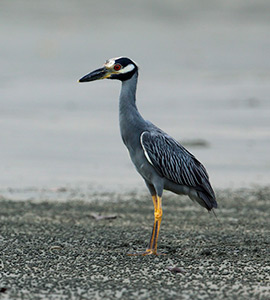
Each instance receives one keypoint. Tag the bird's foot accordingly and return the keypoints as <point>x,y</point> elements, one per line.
<point>146,252</point>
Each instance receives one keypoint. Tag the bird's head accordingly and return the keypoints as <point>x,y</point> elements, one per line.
<point>121,68</point>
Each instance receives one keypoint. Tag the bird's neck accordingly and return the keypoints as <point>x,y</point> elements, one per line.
<point>130,119</point>
<point>127,98</point>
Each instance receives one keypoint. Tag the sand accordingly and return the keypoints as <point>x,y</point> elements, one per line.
<point>77,249</point>
<point>204,79</point>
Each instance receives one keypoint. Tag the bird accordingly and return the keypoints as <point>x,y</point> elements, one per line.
<point>161,160</point>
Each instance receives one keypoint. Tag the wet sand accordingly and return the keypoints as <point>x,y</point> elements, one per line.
<point>71,250</point>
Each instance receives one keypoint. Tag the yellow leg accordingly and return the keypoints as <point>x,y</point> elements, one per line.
<point>152,247</point>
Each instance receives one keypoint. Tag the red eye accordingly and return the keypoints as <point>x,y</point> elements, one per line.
<point>117,67</point>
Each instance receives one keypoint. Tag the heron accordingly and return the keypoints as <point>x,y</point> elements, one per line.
<point>162,161</point>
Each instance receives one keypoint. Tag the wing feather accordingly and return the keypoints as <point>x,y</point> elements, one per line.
<point>172,161</point>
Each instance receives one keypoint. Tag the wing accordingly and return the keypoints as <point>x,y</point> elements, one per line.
<point>172,161</point>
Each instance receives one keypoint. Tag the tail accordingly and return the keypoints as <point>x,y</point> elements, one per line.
<point>206,195</point>
<point>206,200</point>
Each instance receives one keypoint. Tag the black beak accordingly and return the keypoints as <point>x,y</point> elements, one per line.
<point>96,75</point>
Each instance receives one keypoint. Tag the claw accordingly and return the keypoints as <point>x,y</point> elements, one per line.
<point>152,246</point>
<point>146,252</point>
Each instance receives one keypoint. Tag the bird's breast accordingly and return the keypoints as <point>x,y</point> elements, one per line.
<point>143,167</point>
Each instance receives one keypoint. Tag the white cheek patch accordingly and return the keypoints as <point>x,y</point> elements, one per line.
<point>127,69</point>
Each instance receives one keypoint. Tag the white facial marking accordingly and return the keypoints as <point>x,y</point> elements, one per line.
<point>112,61</point>
<point>109,63</point>
<point>115,58</point>
<point>127,69</point>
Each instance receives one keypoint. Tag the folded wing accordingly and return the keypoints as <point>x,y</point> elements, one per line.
<point>172,161</point>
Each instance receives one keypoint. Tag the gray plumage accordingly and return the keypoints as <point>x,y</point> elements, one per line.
<point>161,160</point>
<point>174,163</point>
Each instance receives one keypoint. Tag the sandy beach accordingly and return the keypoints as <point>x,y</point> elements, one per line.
<point>78,249</point>
<point>71,203</point>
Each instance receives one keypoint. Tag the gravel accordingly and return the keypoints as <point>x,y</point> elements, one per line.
<point>62,250</point>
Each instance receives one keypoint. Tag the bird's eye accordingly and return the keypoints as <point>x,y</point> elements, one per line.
<point>117,67</point>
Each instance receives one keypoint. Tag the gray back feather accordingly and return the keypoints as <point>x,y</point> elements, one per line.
<point>172,161</point>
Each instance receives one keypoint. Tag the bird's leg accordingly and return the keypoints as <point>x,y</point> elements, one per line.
<point>152,247</point>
